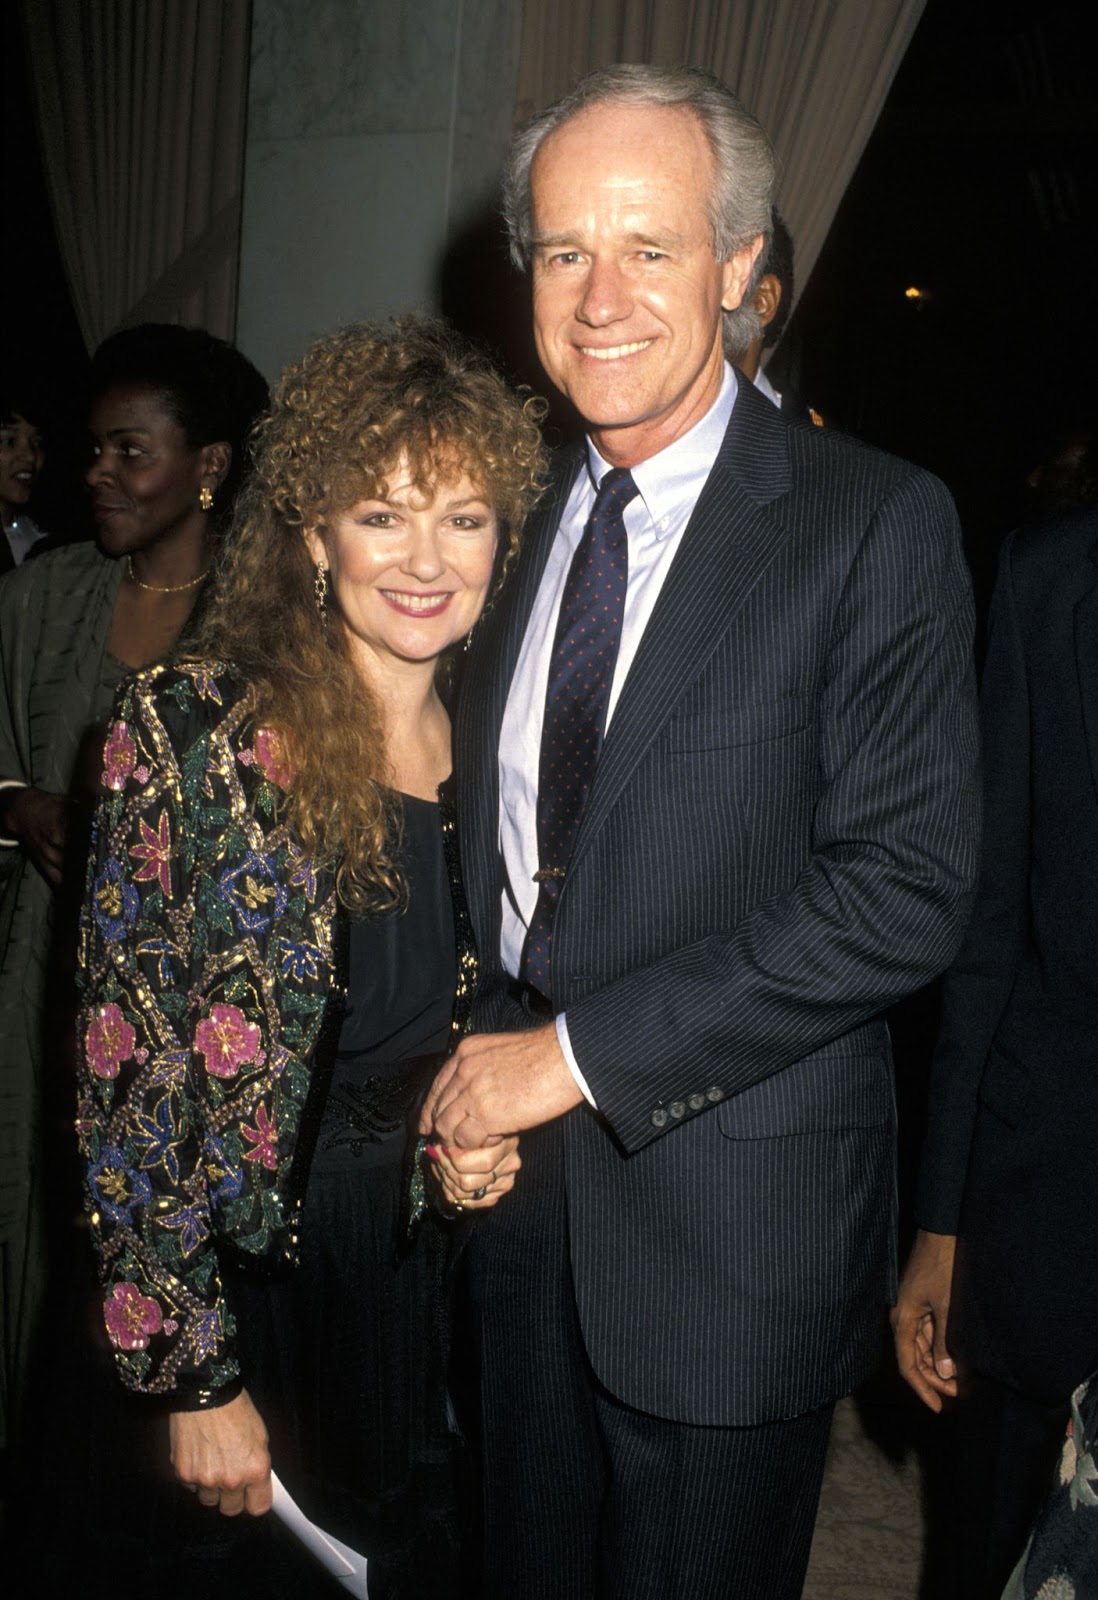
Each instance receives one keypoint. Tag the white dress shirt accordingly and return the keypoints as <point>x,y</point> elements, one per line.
<point>764,386</point>
<point>668,487</point>
<point>22,535</point>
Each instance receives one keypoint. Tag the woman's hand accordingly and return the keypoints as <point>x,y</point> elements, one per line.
<point>39,820</point>
<point>474,1180</point>
<point>222,1455</point>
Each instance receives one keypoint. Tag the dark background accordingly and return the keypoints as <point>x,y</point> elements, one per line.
<point>977,187</point>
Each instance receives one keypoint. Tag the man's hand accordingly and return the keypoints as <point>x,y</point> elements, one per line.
<point>39,820</point>
<point>920,1319</point>
<point>222,1454</point>
<point>499,1083</point>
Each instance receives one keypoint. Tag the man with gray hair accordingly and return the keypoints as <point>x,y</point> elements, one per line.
<point>717,812</point>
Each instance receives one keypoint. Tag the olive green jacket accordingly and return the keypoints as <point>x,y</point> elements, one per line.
<point>55,618</point>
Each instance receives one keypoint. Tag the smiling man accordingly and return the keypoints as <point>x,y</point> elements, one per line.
<point>716,765</point>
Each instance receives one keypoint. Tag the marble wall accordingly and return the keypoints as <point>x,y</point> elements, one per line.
<point>376,129</point>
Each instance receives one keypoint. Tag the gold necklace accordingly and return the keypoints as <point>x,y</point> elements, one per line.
<point>163,588</point>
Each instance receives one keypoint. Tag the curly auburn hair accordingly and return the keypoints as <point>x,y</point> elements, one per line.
<point>358,403</point>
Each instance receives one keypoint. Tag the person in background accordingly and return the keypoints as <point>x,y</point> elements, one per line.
<point>272,946</point>
<point>772,303</point>
<point>171,410</point>
<point>998,1306</point>
<point>718,805</point>
<point>1066,477</point>
<point>22,456</point>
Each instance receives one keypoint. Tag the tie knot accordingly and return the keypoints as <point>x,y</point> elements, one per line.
<point>615,492</point>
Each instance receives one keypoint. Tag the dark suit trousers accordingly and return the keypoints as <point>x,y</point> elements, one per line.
<point>582,1495</point>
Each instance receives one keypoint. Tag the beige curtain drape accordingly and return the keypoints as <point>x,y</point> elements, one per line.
<point>141,108</point>
<point>814,72</point>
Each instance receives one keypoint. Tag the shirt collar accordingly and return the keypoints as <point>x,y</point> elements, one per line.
<point>764,386</point>
<point>672,479</point>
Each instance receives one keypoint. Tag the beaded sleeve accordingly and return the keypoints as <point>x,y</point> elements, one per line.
<point>206,963</point>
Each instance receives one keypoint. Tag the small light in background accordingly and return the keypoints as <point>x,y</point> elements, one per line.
<point>914,294</point>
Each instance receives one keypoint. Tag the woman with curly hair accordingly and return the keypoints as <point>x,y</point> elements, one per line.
<point>271,950</point>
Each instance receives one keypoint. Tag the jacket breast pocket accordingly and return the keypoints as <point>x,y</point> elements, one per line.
<point>724,727</point>
<point>827,1090</point>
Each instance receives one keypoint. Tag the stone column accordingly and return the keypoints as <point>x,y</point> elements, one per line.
<point>376,129</point>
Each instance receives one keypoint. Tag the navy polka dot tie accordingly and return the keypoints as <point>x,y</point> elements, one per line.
<point>581,670</point>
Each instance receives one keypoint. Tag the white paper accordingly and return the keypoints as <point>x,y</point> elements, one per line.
<point>334,1556</point>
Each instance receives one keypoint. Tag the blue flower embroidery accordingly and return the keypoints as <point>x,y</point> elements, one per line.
<point>163,950</point>
<point>225,1181</point>
<point>116,901</point>
<point>117,1187</point>
<point>155,1138</point>
<point>255,892</point>
<point>206,683</point>
<point>192,1223</point>
<point>205,1334</point>
<point>299,961</point>
<point>302,871</point>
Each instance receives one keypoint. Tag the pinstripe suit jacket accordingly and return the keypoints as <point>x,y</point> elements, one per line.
<point>780,841</point>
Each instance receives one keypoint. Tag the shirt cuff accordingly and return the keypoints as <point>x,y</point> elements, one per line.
<point>11,783</point>
<point>569,1056</point>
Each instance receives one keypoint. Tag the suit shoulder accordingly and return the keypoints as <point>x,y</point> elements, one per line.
<point>829,449</point>
<point>837,475</point>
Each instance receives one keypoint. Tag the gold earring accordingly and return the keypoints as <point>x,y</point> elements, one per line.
<point>205,497</point>
<point>320,588</point>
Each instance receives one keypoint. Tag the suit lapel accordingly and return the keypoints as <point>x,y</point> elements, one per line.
<point>729,542</point>
<point>1086,656</point>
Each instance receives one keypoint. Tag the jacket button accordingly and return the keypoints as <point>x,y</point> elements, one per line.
<point>659,1118</point>
<point>696,1102</point>
<point>714,1094</point>
<point>677,1108</point>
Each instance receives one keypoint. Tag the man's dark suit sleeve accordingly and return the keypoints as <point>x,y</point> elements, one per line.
<point>879,904</point>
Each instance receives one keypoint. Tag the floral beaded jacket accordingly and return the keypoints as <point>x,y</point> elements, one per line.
<point>209,952</point>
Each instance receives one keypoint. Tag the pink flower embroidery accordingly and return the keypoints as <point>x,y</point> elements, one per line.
<point>131,1317</point>
<point>264,1136</point>
<point>272,758</point>
<point>155,850</point>
<point>119,756</point>
<point>227,1040</point>
<point>108,1041</point>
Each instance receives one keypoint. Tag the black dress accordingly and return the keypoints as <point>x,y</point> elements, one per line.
<point>345,1358</point>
